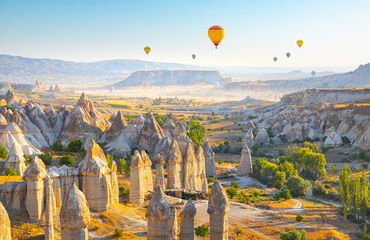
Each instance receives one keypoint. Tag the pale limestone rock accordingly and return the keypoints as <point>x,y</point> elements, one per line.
<point>245,164</point>
<point>179,133</point>
<point>137,188</point>
<point>148,175</point>
<point>159,173</point>
<point>218,210</point>
<point>262,137</point>
<point>158,215</point>
<point>75,215</point>
<point>15,159</point>
<point>187,221</point>
<point>5,232</point>
<point>169,126</point>
<point>163,146</point>
<point>140,120</point>
<point>34,176</point>
<point>114,183</point>
<point>95,178</point>
<point>333,139</point>
<point>173,226</point>
<point>201,170</point>
<point>150,134</point>
<point>39,86</point>
<point>50,209</point>
<point>174,166</point>
<point>249,138</point>
<point>209,159</point>
<point>192,181</point>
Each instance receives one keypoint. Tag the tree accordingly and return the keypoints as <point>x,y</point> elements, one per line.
<point>297,186</point>
<point>196,132</point>
<point>288,169</point>
<point>57,146</point>
<point>278,179</point>
<point>75,145</point>
<point>10,171</point>
<point>283,194</point>
<point>110,159</point>
<point>364,194</point>
<point>299,218</point>
<point>3,152</point>
<point>344,188</point>
<point>202,231</point>
<point>124,166</point>
<point>333,169</point>
<point>67,160</point>
<point>46,158</point>
<point>294,235</point>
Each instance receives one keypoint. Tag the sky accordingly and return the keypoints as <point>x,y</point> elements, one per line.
<point>335,33</point>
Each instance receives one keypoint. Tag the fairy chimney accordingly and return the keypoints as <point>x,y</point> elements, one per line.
<point>187,221</point>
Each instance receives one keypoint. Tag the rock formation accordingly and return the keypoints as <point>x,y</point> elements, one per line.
<point>169,126</point>
<point>158,215</point>
<point>163,146</point>
<point>209,159</point>
<point>137,188</point>
<point>34,176</point>
<point>150,134</point>
<point>262,137</point>
<point>75,215</point>
<point>201,170</point>
<point>173,226</point>
<point>15,159</point>
<point>39,86</point>
<point>249,138</point>
<point>50,209</point>
<point>159,173</point>
<point>218,210</point>
<point>95,178</point>
<point>114,182</point>
<point>148,175</point>
<point>245,164</point>
<point>5,232</point>
<point>179,133</point>
<point>191,178</point>
<point>187,221</point>
<point>174,166</point>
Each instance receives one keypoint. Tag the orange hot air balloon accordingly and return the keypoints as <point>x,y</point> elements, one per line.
<point>216,34</point>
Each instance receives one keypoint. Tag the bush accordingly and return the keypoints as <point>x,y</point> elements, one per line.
<point>67,160</point>
<point>278,179</point>
<point>294,235</point>
<point>75,145</point>
<point>201,231</point>
<point>231,192</point>
<point>117,233</point>
<point>345,140</point>
<point>362,155</point>
<point>283,194</point>
<point>57,146</point>
<point>109,159</point>
<point>299,218</point>
<point>123,166</point>
<point>123,191</point>
<point>255,149</point>
<point>28,159</point>
<point>281,152</point>
<point>46,158</point>
<point>235,184</point>
<point>10,171</point>
<point>297,186</point>
<point>196,132</point>
<point>3,152</point>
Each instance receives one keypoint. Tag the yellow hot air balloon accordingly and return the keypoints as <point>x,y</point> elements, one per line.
<point>147,50</point>
<point>216,34</point>
<point>299,43</point>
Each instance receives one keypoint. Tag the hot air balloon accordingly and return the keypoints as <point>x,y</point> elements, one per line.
<point>193,56</point>
<point>313,73</point>
<point>111,89</point>
<point>288,54</point>
<point>299,43</point>
<point>275,59</point>
<point>216,34</point>
<point>147,49</point>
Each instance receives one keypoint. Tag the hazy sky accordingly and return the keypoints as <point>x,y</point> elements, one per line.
<point>335,32</point>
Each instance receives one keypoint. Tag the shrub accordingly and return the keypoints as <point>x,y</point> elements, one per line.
<point>327,185</point>
<point>299,218</point>
<point>278,179</point>
<point>117,233</point>
<point>10,171</point>
<point>28,159</point>
<point>256,193</point>
<point>281,152</point>
<point>231,192</point>
<point>46,158</point>
<point>294,235</point>
<point>57,146</point>
<point>10,107</point>
<point>255,148</point>
<point>297,186</point>
<point>109,159</point>
<point>240,139</point>
<point>364,166</point>
<point>201,231</point>
<point>75,145</point>
<point>235,184</point>
<point>345,140</point>
<point>283,194</point>
<point>67,160</point>
<point>196,132</point>
<point>362,155</point>
<point>3,152</point>
<point>123,166</point>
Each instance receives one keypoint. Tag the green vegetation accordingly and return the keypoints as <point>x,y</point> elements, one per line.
<point>46,158</point>
<point>231,192</point>
<point>3,152</point>
<point>297,186</point>
<point>201,231</point>
<point>238,232</point>
<point>196,132</point>
<point>28,159</point>
<point>67,160</point>
<point>294,235</point>
<point>117,233</point>
<point>110,159</point>
<point>283,194</point>
<point>123,166</point>
<point>172,101</point>
<point>57,146</point>
<point>123,191</point>
<point>74,146</point>
<point>9,107</point>
<point>119,105</point>
<point>10,171</point>
<point>161,119</point>
<point>255,149</point>
<point>299,218</point>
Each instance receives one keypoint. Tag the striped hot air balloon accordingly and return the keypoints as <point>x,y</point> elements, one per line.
<point>216,34</point>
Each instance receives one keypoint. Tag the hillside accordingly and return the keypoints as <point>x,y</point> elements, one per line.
<point>172,77</point>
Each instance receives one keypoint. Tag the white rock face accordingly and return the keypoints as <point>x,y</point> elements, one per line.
<point>150,134</point>
<point>159,173</point>
<point>158,215</point>
<point>209,159</point>
<point>50,209</point>
<point>245,164</point>
<point>218,210</point>
<point>201,170</point>
<point>249,138</point>
<point>137,188</point>
<point>191,179</point>
<point>173,225</point>
<point>75,215</point>
<point>187,221</point>
<point>333,139</point>
<point>262,137</point>
<point>5,232</point>
<point>174,166</point>
<point>148,175</point>
<point>15,159</point>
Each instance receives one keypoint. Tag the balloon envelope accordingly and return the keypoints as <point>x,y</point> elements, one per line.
<point>288,54</point>
<point>216,34</point>
<point>275,59</point>
<point>147,49</point>
<point>299,43</point>
<point>193,56</point>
